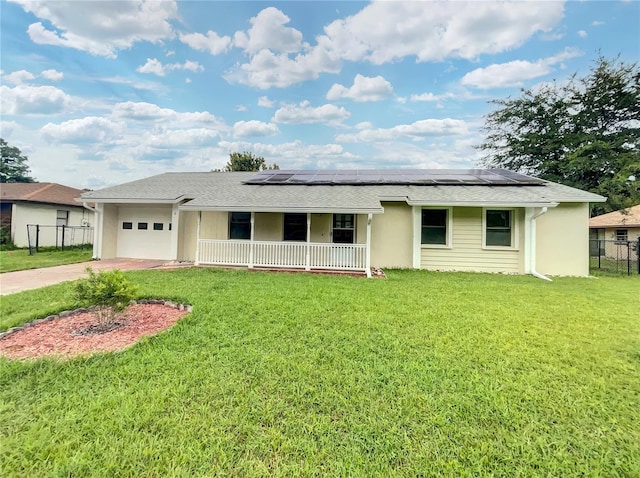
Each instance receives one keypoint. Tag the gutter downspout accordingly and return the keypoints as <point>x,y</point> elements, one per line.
<point>97,230</point>
<point>532,245</point>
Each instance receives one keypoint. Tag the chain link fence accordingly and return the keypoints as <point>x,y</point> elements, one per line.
<point>615,257</point>
<point>58,237</point>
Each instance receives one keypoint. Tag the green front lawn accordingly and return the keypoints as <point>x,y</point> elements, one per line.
<point>421,374</point>
<point>19,259</point>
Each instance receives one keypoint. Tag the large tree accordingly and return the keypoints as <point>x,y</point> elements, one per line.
<point>14,168</point>
<point>247,162</point>
<point>584,133</point>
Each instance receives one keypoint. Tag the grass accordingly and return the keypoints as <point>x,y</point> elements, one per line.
<point>19,259</point>
<point>422,374</point>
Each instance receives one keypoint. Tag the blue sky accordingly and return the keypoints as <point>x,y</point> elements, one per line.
<point>100,93</point>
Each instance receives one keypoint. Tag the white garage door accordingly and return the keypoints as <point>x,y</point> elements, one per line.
<point>144,232</point>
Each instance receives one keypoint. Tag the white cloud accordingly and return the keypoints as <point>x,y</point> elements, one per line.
<point>211,43</point>
<point>265,102</point>
<point>246,129</point>
<point>291,155</point>
<point>437,30</point>
<point>430,97</point>
<point>148,112</point>
<point>52,75</point>
<point>101,28</point>
<point>597,23</point>
<point>155,67</point>
<point>427,31</point>
<point>18,77</point>
<point>415,131</point>
<point>305,114</point>
<point>514,73</point>
<point>179,138</point>
<point>364,89</point>
<point>240,108</point>
<point>268,32</point>
<point>6,128</point>
<point>582,34</point>
<point>267,69</point>
<point>91,129</point>
<point>33,100</point>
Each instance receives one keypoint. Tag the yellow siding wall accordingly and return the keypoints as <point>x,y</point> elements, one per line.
<point>361,228</point>
<point>562,239</point>
<point>268,226</point>
<point>392,236</point>
<point>110,231</point>
<point>214,225</point>
<point>187,236</point>
<point>467,253</point>
<point>321,227</point>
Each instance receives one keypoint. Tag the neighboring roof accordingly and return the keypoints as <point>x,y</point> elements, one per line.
<point>49,193</point>
<point>629,217</point>
<point>228,192</point>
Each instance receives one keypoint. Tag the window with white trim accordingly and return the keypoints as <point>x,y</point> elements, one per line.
<point>622,235</point>
<point>239,225</point>
<point>499,228</point>
<point>435,227</point>
<point>344,228</point>
<point>62,217</point>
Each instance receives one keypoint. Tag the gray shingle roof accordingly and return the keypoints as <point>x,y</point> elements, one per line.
<point>226,191</point>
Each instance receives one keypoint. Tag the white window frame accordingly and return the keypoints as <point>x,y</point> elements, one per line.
<point>354,228</point>
<point>515,225</point>
<point>449,232</point>
<point>622,237</point>
<point>62,221</point>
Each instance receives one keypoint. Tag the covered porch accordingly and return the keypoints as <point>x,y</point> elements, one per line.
<point>323,241</point>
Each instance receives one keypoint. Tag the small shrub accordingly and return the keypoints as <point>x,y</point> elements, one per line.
<point>109,291</point>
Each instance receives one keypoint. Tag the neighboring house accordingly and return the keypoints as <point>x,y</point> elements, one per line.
<point>610,231</point>
<point>464,220</point>
<point>45,204</point>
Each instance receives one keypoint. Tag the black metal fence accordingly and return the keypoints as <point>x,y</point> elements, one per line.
<point>615,257</point>
<point>58,237</point>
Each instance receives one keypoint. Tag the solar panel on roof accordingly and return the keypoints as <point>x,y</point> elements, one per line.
<point>496,177</point>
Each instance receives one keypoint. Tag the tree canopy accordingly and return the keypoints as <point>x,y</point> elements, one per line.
<point>584,133</point>
<point>14,168</point>
<point>247,162</point>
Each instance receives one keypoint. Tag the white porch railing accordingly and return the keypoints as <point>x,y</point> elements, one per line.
<point>289,255</point>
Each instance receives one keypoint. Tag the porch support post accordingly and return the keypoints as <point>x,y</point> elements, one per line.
<point>307,263</point>
<point>175,229</point>
<point>97,231</point>
<point>367,260</point>
<point>528,239</point>
<point>197,262</point>
<point>417,235</point>
<point>251,244</point>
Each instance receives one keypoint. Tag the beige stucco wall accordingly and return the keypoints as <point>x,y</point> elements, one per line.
<point>562,241</point>
<point>44,215</point>
<point>466,252</point>
<point>187,236</point>
<point>392,236</point>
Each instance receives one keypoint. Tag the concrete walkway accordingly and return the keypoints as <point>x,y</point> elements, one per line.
<point>12,282</point>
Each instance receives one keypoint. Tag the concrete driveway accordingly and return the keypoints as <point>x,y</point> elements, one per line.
<point>12,282</point>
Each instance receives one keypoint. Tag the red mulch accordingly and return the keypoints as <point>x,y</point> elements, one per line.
<point>60,337</point>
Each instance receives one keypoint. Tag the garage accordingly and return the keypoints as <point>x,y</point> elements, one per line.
<point>144,232</point>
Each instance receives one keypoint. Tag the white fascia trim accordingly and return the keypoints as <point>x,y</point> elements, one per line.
<point>132,201</point>
<point>498,204</point>
<point>312,210</point>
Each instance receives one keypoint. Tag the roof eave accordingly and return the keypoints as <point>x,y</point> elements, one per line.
<point>295,209</point>
<point>130,200</point>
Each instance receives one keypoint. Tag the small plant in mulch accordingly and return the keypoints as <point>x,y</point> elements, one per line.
<point>108,294</point>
